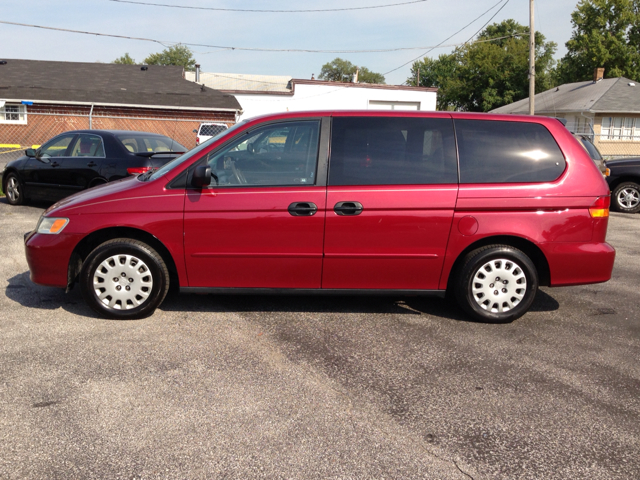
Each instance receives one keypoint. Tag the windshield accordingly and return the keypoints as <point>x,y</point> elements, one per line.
<point>179,160</point>
<point>591,149</point>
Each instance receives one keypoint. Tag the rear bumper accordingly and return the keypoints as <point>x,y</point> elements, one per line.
<point>579,263</point>
<point>48,257</point>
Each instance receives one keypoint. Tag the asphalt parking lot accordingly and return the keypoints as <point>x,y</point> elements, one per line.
<point>309,387</point>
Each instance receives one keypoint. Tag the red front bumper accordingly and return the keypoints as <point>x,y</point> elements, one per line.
<point>48,257</point>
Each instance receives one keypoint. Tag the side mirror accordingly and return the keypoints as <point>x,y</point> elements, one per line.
<point>30,152</point>
<point>201,176</point>
<point>195,131</point>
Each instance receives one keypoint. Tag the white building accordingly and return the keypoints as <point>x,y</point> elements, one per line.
<point>262,94</point>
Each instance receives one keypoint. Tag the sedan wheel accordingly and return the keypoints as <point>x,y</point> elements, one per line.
<point>626,197</point>
<point>14,190</point>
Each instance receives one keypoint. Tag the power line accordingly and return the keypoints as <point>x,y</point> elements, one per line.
<point>494,16</point>
<point>266,11</point>
<point>451,36</point>
<point>221,47</point>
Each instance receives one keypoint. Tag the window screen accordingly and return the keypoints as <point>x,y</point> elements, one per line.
<point>392,151</point>
<point>507,152</point>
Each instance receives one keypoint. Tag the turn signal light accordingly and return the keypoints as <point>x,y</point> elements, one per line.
<point>600,208</point>
<point>137,170</point>
<point>51,226</point>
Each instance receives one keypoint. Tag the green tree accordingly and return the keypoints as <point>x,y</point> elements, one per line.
<point>339,70</point>
<point>125,60</point>
<point>485,75</point>
<point>606,33</point>
<point>179,55</point>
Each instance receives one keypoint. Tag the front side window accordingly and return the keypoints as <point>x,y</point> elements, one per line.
<point>392,151</point>
<point>56,147</point>
<point>13,113</point>
<point>507,152</point>
<point>88,146</point>
<point>274,155</point>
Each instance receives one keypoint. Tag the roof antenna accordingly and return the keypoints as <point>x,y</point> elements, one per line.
<point>202,89</point>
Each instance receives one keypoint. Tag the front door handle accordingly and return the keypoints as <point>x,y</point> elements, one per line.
<point>348,208</point>
<point>92,164</point>
<point>302,209</point>
<point>55,164</point>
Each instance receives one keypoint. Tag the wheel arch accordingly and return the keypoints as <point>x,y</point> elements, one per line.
<point>527,246</point>
<point>94,239</point>
<point>624,178</point>
<point>97,181</point>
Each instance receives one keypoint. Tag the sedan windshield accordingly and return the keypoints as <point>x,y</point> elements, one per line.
<point>179,160</point>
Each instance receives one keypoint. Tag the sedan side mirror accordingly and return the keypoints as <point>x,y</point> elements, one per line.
<point>201,176</point>
<point>30,152</point>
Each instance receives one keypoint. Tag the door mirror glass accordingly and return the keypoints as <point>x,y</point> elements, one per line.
<point>30,152</point>
<point>201,176</point>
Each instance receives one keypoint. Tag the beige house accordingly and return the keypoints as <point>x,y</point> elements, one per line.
<point>606,110</point>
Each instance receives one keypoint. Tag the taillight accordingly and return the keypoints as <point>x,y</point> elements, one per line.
<point>600,207</point>
<point>137,170</point>
<point>197,140</point>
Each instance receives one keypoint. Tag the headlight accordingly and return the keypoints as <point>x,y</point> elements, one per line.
<point>607,172</point>
<point>51,225</point>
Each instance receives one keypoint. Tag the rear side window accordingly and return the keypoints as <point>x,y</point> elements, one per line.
<point>392,151</point>
<point>507,152</point>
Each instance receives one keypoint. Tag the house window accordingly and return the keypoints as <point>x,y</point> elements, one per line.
<point>626,129</point>
<point>13,113</point>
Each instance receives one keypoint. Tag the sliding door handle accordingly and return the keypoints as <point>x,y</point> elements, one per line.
<point>348,208</point>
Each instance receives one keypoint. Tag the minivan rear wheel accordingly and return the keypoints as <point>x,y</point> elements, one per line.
<point>124,279</point>
<point>496,284</point>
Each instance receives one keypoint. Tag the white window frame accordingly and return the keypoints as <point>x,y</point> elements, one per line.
<point>620,129</point>
<point>15,109</point>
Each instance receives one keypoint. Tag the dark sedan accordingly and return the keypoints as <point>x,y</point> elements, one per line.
<point>76,160</point>
<point>623,177</point>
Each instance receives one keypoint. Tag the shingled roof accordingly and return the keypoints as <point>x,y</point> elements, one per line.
<point>611,95</point>
<point>107,84</point>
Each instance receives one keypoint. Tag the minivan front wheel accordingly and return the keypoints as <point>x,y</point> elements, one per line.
<point>496,284</point>
<point>124,279</point>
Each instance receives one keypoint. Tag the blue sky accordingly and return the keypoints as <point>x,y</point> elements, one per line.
<point>420,24</point>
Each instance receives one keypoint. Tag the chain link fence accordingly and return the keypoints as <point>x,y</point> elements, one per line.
<point>41,124</point>
<point>619,146</point>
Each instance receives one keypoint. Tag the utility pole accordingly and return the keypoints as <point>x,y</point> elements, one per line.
<point>532,61</point>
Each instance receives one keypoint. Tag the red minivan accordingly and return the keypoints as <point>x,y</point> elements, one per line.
<point>486,207</point>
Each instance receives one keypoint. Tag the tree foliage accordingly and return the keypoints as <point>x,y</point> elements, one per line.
<point>606,33</point>
<point>485,75</point>
<point>125,60</point>
<point>339,70</point>
<point>179,55</point>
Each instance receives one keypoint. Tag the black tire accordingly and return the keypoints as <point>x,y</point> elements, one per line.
<point>489,299</point>
<point>626,197</point>
<point>129,275</point>
<point>13,189</point>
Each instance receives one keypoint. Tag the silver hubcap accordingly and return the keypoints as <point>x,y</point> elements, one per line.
<point>499,285</point>
<point>122,282</point>
<point>13,189</point>
<point>629,197</point>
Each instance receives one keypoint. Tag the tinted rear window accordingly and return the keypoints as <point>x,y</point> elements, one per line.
<point>507,152</point>
<point>392,151</point>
